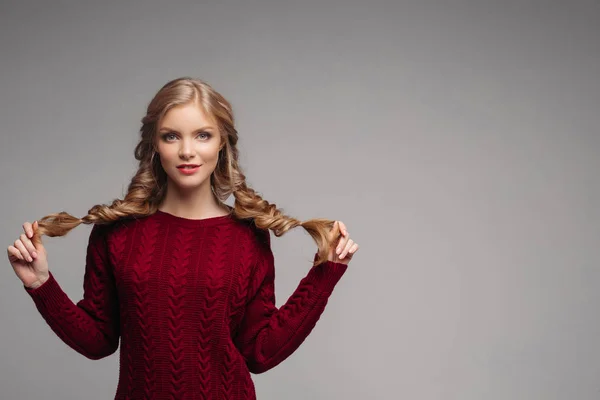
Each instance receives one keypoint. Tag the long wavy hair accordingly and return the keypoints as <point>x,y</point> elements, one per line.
<point>148,187</point>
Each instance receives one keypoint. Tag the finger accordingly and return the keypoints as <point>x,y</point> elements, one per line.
<point>343,229</point>
<point>12,250</point>
<point>346,248</point>
<point>37,239</point>
<point>28,245</point>
<point>334,232</point>
<point>19,245</point>
<point>341,245</point>
<point>352,250</point>
<point>28,228</point>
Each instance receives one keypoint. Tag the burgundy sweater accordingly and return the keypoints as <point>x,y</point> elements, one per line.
<point>192,302</point>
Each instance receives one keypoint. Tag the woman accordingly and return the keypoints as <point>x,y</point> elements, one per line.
<point>183,280</point>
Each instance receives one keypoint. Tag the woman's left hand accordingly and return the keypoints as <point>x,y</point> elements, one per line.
<point>345,247</point>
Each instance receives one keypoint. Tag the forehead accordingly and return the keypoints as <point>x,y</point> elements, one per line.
<point>186,117</point>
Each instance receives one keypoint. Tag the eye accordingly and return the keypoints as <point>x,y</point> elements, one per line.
<point>202,135</point>
<point>166,136</point>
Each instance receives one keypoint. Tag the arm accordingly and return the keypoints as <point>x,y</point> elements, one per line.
<point>269,335</point>
<point>90,327</point>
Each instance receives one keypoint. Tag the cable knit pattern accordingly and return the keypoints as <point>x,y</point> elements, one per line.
<point>192,303</point>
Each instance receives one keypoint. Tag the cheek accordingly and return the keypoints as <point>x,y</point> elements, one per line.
<point>210,154</point>
<point>168,154</point>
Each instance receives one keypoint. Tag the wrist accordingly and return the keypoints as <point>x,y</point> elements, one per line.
<point>39,282</point>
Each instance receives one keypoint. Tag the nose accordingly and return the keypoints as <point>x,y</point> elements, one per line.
<point>186,150</point>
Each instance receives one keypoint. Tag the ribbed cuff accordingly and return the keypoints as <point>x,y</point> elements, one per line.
<point>48,295</point>
<point>327,274</point>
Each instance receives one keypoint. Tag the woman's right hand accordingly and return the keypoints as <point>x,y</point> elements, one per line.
<point>28,258</point>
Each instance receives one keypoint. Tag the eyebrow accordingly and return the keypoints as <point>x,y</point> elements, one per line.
<point>166,128</point>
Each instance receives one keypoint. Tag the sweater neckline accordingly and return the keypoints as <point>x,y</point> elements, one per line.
<point>190,222</point>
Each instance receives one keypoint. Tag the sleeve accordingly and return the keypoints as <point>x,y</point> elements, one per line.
<point>269,335</point>
<point>90,327</point>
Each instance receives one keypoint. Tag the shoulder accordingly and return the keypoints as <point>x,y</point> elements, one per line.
<point>110,238</point>
<point>256,245</point>
<point>257,237</point>
<point>253,243</point>
<point>112,229</point>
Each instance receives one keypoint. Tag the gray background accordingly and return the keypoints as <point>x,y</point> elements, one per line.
<point>458,140</point>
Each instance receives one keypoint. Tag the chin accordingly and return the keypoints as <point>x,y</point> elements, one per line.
<point>189,183</point>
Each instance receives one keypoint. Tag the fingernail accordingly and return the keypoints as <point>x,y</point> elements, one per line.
<point>29,233</point>
<point>29,259</point>
<point>34,254</point>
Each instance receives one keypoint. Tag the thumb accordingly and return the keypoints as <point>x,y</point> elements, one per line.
<point>334,232</point>
<point>36,239</point>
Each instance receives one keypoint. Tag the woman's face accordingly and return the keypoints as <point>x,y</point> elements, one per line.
<point>187,136</point>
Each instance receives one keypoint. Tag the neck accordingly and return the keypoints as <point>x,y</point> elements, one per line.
<point>197,203</point>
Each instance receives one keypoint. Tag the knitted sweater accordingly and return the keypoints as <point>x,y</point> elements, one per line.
<point>192,302</point>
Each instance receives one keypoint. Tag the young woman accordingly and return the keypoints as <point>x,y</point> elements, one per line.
<point>182,279</point>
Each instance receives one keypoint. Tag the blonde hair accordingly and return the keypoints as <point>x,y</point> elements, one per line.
<point>148,186</point>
